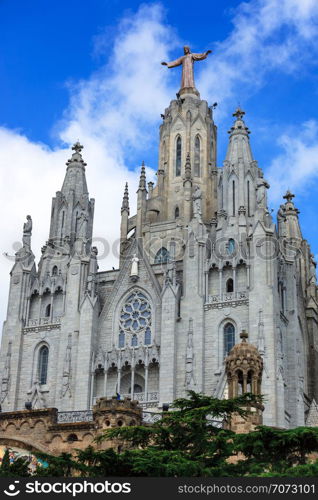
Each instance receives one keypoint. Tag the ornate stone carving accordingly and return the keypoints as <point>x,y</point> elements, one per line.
<point>5,382</point>
<point>189,381</point>
<point>67,370</point>
<point>197,198</point>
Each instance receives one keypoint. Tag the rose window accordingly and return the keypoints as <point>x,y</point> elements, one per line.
<point>135,318</point>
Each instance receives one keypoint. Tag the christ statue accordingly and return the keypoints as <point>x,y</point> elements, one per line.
<point>187,61</point>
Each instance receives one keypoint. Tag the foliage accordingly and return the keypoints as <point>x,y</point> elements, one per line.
<point>18,468</point>
<point>188,442</point>
<point>277,451</point>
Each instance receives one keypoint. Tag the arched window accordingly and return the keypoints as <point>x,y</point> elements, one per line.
<point>176,213</point>
<point>48,311</point>
<point>229,286</point>
<point>54,271</point>
<point>148,336</point>
<point>162,256</point>
<point>178,156</point>
<point>43,364</point>
<point>229,337</point>
<point>197,155</point>
<point>121,339</point>
<point>240,382</point>
<point>137,389</point>
<point>134,341</point>
<point>72,438</point>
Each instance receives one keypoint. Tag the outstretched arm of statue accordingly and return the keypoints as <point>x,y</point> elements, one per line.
<point>173,64</point>
<point>199,57</point>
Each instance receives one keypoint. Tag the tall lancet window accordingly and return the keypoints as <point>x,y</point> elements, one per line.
<point>233,198</point>
<point>248,200</point>
<point>43,364</point>
<point>229,338</point>
<point>178,156</point>
<point>197,154</point>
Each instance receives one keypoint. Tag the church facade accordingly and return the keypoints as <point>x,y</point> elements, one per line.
<point>200,261</point>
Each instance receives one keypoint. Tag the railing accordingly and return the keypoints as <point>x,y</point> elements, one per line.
<point>74,416</point>
<point>142,397</point>
<point>226,297</point>
<point>44,321</point>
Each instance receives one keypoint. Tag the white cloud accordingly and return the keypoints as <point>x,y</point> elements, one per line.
<point>267,35</point>
<point>297,165</point>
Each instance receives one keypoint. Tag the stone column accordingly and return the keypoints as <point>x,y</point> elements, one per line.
<point>146,382</point>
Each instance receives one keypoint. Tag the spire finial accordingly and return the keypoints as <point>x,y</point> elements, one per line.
<point>77,147</point>
<point>288,196</point>
<point>244,335</point>
<point>239,113</point>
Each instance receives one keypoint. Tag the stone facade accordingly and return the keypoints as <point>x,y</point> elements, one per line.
<point>201,260</point>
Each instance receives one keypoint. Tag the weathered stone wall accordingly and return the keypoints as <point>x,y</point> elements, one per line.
<point>40,430</point>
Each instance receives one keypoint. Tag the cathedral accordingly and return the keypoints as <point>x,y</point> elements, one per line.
<point>201,261</point>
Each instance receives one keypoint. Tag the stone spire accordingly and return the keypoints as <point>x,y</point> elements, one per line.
<point>141,201</point>
<point>125,203</point>
<point>72,210</point>
<point>142,179</point>
<point>75,178</point>
<point>239,145</point>
<point>290,213</point>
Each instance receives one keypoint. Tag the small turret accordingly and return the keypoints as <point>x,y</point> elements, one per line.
<point>244,368</point>
<point>288,223</point>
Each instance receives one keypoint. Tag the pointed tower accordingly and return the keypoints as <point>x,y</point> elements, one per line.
<point>141,201</point>
<point>242,189</point>
<point>72,210</point>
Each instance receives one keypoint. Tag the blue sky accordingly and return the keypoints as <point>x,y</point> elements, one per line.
<point>91,71</point>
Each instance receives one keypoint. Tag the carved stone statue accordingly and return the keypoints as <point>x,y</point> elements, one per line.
<point>27,233</point>
<point>82,225</point>
<point>134,266</point>
<point>197,197</point>
<point>262,185</point>
<point>66,382</point>
<point>312,271</point>
<point>187,60</point>
<point>281,221</point>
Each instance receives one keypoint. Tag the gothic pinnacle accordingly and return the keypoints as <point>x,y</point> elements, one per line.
<point>142,180</point>
<point>125,203</point>
<point>187,168</point>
